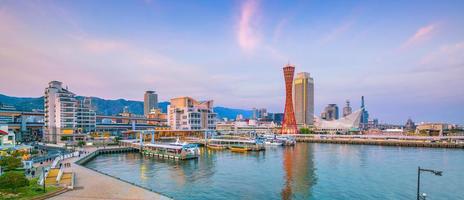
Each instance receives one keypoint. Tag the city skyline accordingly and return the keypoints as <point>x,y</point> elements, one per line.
<point>124,51</point>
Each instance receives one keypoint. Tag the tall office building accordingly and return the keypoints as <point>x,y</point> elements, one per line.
<point>303,98</point>
<point>185,113</point>
<point>65,116</point>
<point>347,109</point>
<point>364,114</point>
<point>289,122</point>
<point>150,101</point>
<point>330,112</point>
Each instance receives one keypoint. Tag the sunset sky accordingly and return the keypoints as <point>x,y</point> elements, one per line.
<point>405,57</point>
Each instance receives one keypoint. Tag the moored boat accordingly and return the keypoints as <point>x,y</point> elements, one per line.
<point>216,147</point>
<point>240,149</point>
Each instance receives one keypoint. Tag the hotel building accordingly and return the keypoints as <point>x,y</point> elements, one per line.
<point>185,113</point>
<point>64,115</point>
<point>303,98</point>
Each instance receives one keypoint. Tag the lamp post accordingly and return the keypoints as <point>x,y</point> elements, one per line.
<point>419,170</point>
<point>43,175</point>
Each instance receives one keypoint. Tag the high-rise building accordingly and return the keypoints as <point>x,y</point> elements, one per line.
<point>65,116</point>
<point>330,112</point>
<point>289,122</point>
<point>303,97</point>
<point>364,114</point>
<point>150,101</point>
<point>347,109</point>
<point>259,113</point>
<point>185,113</point>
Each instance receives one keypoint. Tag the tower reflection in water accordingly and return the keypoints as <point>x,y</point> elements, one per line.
<point>299,172</point>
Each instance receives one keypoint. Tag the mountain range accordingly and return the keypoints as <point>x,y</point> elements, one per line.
<point>111,107</point>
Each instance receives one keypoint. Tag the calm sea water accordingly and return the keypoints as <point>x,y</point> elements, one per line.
<point>306,171</point>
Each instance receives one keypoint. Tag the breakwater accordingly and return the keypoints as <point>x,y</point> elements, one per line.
<point>382,142</point>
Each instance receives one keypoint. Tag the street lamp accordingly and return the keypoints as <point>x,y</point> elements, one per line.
<point>419,170</point>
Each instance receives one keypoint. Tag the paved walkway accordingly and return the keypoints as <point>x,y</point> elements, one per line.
<point>93,185</point>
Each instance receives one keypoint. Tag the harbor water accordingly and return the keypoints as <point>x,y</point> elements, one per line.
<point>305,171</point>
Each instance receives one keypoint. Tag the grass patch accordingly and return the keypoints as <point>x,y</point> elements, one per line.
<point>28,192</point>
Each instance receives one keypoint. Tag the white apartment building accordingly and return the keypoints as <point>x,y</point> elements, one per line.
<point>64,114</point>
<point>185,113</point>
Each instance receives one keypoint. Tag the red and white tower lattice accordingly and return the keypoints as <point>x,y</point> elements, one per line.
<point>289,123</point>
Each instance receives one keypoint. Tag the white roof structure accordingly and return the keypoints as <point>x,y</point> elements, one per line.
<point>345,123</point>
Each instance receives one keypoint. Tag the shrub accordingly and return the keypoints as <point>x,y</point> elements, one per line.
<point>13,180</point>
<point>10,163</point>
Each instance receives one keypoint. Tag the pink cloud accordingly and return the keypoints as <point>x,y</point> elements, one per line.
<point>421,35</point>
<point>338,31</point>
<point>247,33</point>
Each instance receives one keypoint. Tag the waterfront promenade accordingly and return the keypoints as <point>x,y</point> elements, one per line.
<point>90,184</point>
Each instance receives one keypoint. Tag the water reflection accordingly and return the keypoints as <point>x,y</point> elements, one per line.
<point>300,175</point>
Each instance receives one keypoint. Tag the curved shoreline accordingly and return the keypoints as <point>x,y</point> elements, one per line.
<point>93,184</point>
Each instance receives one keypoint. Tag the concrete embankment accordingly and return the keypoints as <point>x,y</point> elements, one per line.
<point>381,142</point>
<point>91,184</point>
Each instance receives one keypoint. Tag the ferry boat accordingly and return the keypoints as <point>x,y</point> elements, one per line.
<point>177,150</point>
<point>240,149</point>
<point>216,147</point>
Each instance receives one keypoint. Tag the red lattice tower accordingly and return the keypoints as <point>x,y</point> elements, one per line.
<point>289,123</point>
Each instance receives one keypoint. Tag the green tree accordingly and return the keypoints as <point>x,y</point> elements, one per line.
<point>13,180</point>
<point>80,143</point>
<point>305,131</point>
<point>10,163</point>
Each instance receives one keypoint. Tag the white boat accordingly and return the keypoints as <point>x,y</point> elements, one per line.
<point>273,143</point>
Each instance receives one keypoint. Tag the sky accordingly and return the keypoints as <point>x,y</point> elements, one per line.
<point>405,57</point>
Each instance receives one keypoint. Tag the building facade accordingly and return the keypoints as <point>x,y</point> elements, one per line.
<point>150,101</point>
<point>64,115</point>
<point>330,112</point>
<point>185,113</point>
<point>303,98</point>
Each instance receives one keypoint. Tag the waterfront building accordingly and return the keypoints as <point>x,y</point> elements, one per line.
<point>65,116</point>
<point>185,113</point>
<point>433,128</point>
<point>347,109</point>
<point>330,112</point>
<point>150,101</point>
<point>303,98</point>
<point>289,122</point>
<point>245,127</point>
<point>60,112</point>
<point>347,124</point>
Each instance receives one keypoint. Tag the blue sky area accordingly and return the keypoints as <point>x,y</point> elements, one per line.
<point>405,57</point>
